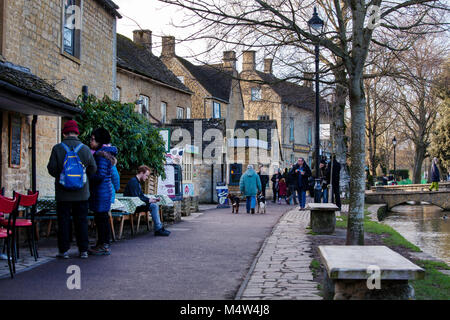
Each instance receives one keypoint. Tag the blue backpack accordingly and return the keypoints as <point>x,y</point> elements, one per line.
<point>73,175</point>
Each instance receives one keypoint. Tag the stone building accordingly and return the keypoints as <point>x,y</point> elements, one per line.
<point>143,79</point>
<point>217,91</point>
<point>290,105</point>
<point>67,45</point>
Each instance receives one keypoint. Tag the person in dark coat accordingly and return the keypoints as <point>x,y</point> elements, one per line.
<point>133,189</point>
<point>335,176</point>
<point>264,180</point>
<point>324,178</point>
<point>101,188</point>
<point>435,175</point>
<point>71,202</point>
<point>291,182</point>
<point>275,179</point>
<point>303,172</point>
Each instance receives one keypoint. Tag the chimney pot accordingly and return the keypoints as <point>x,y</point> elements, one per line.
<point>248,60</point>
<point>268,65</point>
<point>143,38</point>
<point>229,60</point>
<point>168,47</point>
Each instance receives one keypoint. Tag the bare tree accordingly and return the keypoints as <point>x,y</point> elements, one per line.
<point>353,27</point>
<point>415,103</point>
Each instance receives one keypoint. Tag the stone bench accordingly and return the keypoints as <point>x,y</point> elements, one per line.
<point>323,217</point>
<point>367,272</point>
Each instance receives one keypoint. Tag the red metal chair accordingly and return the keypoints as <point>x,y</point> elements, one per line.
<point>10,207</point>
<point>28,221</point>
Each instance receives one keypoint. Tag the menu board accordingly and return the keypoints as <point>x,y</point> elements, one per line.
<point>15,141</point>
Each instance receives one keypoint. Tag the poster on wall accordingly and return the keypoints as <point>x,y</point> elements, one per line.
<point>188,190</point>
<point>167,186</point>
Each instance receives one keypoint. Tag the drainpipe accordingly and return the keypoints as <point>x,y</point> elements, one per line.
<point>33,153</point>
<point>85,93</point>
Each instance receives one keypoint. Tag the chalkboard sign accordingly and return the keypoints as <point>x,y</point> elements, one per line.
<point>15,141</point>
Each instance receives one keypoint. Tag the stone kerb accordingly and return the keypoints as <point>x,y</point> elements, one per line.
<point>350,268</point>
<point>322,217</point>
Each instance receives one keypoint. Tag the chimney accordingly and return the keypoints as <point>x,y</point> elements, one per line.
<point>309,79</point>
<point>168,47</point>
<point>143,38</point>
<point>268,65</point>
<point>248,61</point>
<point>229,60</point>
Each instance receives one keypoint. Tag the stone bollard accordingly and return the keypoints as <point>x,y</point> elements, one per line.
<point>170,214</point>
<point>194,204</point>
<point>186,207</point>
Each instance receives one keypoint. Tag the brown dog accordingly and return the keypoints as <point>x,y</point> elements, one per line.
<point>235,200</point>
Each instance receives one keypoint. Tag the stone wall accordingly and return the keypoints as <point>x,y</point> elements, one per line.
<point>33,39</point>
<point>132,86</point>
<point>15,179</point>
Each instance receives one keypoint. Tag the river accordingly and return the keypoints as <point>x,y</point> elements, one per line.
<point>424,226</point>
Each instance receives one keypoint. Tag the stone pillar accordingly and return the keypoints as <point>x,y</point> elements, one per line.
<point>186,207</point>
<point>194,204</point>
<point>229,60</point>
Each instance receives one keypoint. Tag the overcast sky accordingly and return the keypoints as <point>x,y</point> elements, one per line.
<point>157,17</point>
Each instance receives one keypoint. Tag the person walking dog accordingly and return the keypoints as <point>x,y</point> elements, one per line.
<point>250,185</point>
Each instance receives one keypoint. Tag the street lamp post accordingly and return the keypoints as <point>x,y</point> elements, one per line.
<point>316,28</point>
<point>394,142</point>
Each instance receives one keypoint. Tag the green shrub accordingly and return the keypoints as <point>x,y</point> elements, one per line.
<point>134,136</point>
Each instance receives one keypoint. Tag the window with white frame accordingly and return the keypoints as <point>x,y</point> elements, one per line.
<point>163,112</point>
<point>188,113</point>
<point>255,94</point>
<point>216,110</point>
<point>187,167</point>
<point>144,104</point>
<point>71,27</point>
<point>118,94</point>
<point>180,113</point>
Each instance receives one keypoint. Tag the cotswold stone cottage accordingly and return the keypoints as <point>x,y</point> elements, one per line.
<point>217,91</point>
<point>55,47</point>
<point>290,105</point>
<point>143,79</point>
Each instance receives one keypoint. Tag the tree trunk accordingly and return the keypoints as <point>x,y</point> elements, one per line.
<point>339,128</point>
<point>355,227</point>
<point>419,156</point>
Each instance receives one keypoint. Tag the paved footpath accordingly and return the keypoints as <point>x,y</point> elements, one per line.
<point>281,269</point>
<point>207,256</point>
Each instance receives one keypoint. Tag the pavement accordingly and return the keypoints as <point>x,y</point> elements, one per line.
<point>207,256</point>
<point>211,254</point>
<point>281,270</point>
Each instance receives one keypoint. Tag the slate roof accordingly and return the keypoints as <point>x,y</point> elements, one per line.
<point>111,7</point>
<point>138,59</point>
<point>213,78</point>
<point>293,94</point>
<point>20,77</point>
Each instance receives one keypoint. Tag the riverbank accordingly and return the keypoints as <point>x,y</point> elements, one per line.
<point>435,285</point>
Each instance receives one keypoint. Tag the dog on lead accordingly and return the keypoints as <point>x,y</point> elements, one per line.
<point>235,200</point>
<point>261,203</point>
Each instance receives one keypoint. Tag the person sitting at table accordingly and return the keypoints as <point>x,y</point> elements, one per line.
<point>133,189</point>
<point>101,189</point>
<point>71,202</point>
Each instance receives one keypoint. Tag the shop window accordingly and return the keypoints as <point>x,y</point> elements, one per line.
<point>235,173</point>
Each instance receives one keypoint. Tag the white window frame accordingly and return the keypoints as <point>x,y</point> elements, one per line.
<point>255,94</point>
<point>180,113</point>
<point>145,105</point>
<point>77,34</point>
<point>187,168</point>
<point>217,113</point>
<point>188,113</point>
<point>163,112</point>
